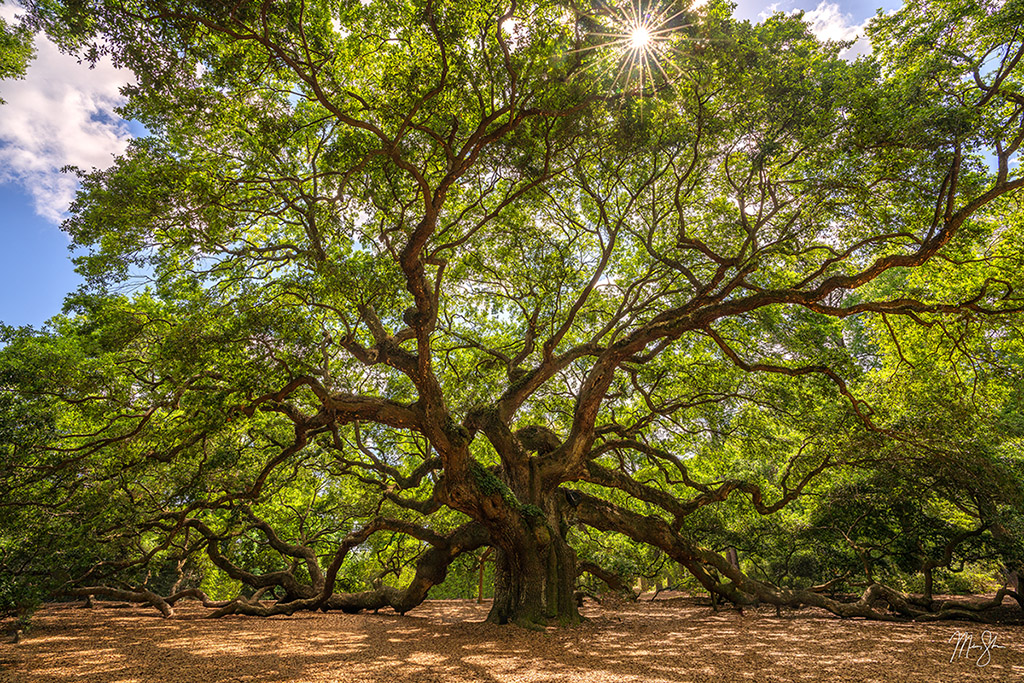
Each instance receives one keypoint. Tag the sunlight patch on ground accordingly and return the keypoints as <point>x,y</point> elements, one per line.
<point>447,642</point>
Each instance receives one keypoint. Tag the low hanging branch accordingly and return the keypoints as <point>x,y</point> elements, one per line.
<point>743,590</point>
<point>164,604</point>
<point>431,569</point>
<point>610,579</point>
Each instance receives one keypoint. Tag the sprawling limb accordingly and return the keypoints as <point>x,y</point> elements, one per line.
<point>611,579</point>
<point>742,589</point>
<point>431,569</point>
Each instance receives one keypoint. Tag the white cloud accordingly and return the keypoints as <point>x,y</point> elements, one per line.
<point>828,22</point>
<point>9,12</point>
<point>60,114</point>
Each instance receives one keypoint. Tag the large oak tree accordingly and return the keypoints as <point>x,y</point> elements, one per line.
<point>503,270</point>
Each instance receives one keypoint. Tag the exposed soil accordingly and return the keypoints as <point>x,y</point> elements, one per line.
<point>673,639</point>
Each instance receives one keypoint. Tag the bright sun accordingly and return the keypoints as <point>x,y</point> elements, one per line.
<point>639,38</point>
<point>634,42</point>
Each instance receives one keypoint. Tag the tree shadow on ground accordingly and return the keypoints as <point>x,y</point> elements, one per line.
<point>670,640</point>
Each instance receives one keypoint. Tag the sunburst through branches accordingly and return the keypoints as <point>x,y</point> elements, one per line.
<point>634,42</point>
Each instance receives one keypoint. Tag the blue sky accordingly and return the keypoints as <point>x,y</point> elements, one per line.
<point>62,113</point>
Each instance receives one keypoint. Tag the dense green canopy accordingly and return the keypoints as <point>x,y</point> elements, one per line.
<point>390,282</point>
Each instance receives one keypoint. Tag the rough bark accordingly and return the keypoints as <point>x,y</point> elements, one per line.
<point>535,573</point>
<point>520,505</point>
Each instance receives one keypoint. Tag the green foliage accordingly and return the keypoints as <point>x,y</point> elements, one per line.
<point>462,582</point>
<point>16,50</point>
<point>491,485</point>
<point>765,296</point>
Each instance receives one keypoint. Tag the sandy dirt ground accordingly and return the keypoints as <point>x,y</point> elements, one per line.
<point>674,639</point>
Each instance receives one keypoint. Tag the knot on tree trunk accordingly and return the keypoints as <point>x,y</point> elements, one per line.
<point>538,439</point>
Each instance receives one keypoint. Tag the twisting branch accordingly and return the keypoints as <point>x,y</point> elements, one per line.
<point>741,589</point>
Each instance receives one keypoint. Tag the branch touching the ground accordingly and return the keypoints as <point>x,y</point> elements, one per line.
<point>143,595</point>
<point>431,569</point>
<point>706,566</point>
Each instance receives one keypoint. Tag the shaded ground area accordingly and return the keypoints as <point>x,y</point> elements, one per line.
<point>672,639</point>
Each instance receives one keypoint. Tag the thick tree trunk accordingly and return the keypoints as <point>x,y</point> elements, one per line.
<point>518,584</point>
<point>519,504</point>
<point>535,572</point>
